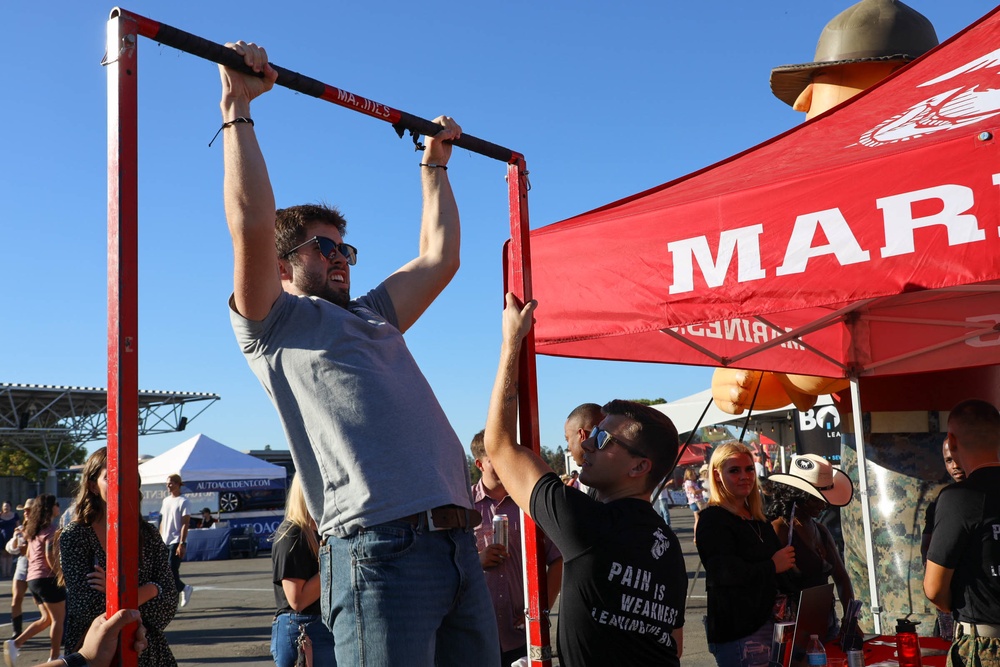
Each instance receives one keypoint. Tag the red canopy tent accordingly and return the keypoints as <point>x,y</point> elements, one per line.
<point>694,454</point>
<point>861,243</point>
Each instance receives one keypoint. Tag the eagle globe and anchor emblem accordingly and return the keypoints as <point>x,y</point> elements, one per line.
<point>973,95</point>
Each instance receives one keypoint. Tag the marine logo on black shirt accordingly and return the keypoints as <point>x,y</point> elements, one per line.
<point>661,544</point>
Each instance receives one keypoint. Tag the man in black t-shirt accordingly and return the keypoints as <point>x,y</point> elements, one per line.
<point>945,621</point>
<point>963,560</point>
<point>622,598</point>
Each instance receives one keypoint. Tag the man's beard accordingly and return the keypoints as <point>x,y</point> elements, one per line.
<point>319,285</point>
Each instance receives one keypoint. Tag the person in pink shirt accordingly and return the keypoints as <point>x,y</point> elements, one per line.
<point>40,531</point>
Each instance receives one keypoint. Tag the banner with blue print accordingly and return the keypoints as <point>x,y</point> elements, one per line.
<point>236,485</point>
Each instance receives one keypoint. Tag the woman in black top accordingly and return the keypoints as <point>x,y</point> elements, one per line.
<point>742,558</point>
<point>83,552</point>
<point>295,563</point>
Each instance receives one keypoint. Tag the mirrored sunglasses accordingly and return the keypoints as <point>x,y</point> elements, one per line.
<point>327,248</point>
<point>602,439</point>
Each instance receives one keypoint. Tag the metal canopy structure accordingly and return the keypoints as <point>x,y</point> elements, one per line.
<point>48,422</point>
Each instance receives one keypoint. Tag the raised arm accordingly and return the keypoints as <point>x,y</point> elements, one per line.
<point>518,467</point>
<point>247,189</point>
<point>415,286</point>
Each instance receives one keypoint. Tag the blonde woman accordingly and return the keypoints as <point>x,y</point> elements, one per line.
<point>742,558</point>
<point>295,563</point>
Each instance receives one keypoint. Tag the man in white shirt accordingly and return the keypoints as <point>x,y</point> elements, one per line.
<point>175,513</point>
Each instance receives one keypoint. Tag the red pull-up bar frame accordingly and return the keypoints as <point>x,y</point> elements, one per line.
<point>121,59</point>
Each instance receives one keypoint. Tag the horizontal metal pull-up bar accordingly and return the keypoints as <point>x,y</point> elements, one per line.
<point>220,54</point>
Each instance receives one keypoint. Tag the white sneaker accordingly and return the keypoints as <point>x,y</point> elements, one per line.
<point>10,653</point>
<point>186,594</point>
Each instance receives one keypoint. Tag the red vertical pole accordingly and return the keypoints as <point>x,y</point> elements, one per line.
<point>519,258</point>
<point>123,303</point>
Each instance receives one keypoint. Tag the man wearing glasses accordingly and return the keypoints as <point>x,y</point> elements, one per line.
<point>622,598</point>
<point>383,472</point>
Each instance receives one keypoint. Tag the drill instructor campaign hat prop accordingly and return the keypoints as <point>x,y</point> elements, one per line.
<point>816,476</point>
<point>870,31</point>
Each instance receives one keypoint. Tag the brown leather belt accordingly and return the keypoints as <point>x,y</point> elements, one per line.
<point>445,517</point>
<point>976,629</point>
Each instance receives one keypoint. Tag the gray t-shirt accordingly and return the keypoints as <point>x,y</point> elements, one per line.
<point>366,432</point>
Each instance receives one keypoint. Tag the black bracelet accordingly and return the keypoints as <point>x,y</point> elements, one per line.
<point>434,166</point>
<point>241,119</point>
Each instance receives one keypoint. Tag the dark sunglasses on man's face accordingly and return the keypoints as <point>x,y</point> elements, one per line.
<point>602,439</point>
<point>327,248</point>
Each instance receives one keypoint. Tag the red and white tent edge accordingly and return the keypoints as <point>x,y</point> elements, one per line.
<point>862,242</point>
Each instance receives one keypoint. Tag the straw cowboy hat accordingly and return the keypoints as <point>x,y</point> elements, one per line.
<point>26,505</point>
<point>870,31</point>
<point>816,476</point>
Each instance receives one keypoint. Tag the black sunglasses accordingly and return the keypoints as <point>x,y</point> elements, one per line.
<point>602,438</point>
<point>327,248</point>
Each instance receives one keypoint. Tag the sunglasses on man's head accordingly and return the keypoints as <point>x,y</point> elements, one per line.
<point>602,439</point>
<point>327,248</point>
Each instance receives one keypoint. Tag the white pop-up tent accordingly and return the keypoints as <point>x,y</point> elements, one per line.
<point>207,465</point>
<point>686,413</point>
<point>690,412</point>
<point>222,478</point>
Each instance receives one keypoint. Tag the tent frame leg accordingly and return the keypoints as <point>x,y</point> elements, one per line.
<point>866,517</point>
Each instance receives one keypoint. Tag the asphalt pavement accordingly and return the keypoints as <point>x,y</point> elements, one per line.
<point>228,621</point>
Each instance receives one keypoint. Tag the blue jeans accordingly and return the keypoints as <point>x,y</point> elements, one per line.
<point>663,508</point>
<point>754,650</point>
<point>285,639</point>
<point>396,595</point>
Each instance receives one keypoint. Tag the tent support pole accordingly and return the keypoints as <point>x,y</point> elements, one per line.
<point>866,517</point>
<point>781,449</point>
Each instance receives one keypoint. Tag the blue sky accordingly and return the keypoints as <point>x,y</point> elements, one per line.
<point>603,99</point>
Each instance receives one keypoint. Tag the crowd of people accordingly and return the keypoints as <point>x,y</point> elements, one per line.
<point>760,543</point>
